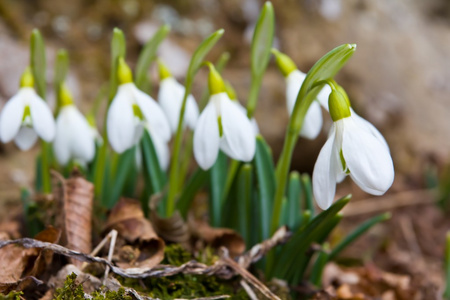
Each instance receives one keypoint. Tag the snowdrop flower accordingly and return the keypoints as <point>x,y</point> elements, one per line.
<point>26,116</point>
<point>352,150</point>
<point>232,95</point>
<point>130,111</point>
<point>170,98</point>
<point>222,125</point>
<point>74,138</point>
<point>294,80</point>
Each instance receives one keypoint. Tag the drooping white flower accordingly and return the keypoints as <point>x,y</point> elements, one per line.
<point>26,116</point>
<point>74,138</point>
<point>350,149</point>
<point>170,97</point>
<point>131,110</point>
<point>222,125</point>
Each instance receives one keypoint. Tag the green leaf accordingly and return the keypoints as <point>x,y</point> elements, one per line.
<point>447,266</point>
<point>350,238</point>
<point>263,40</point>
<point>118,49</point>
<point>244,199</point>
<point>319,264</point>
<point>294,197</point>
<point>38,62</point>
<point>197,181</point>
<point>61,70</point>
<point>123,169</point>
<point>309,198</point>
<point>148,54</point>
<point>151,164</point>
<point>265,173</point>
<point>218,177</point>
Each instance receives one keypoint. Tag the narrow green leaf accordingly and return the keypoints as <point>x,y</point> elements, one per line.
<point>123,169</point>
<point>244,198</point>
<point>294,199</point>
<point>309,198</point>
<point>118,49</point>
<point>263,39</point>
<point>447,267</point>
<point>38,62</point>
<point>151,163</point>
<point>350,238</point>
<point>319,264</point>
<point>197,181</point>
<point>218,176</point>
<point>61,69</point>
<point>265,173</point>
<point>148,54</point>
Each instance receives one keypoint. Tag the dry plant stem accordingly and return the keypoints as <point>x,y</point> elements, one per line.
<point>377,204</point>
<point>112,245</point>
<point>410,235</point>
<point>251,294</point>
<point>98,248</point>
<point>220,268</point>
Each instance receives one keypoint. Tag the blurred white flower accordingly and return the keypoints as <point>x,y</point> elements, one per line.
<point>351,149</point>
<point>223,125</point>
<point>25,117</point>
<point>170,97</point>
<point>131,110</point>
<point>74,138</point>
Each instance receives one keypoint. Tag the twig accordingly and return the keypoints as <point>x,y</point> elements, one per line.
<point>407,229</point>
<point>220,269</point>
<point>112,245</point>
<point>98,248</point>
<point>251,294</point>
<point>377,204</point>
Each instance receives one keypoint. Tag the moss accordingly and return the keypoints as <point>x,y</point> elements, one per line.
<point>12,296</point>
<point>176,255</point>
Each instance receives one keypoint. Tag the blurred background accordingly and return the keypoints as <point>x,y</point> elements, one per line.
<point>398,78</point>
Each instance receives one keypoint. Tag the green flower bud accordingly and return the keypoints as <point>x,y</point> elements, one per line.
<point>338,105</point>
<point>284,62</point>
<point>27,79</point>
<point>65,97</point>
<point>344,93</point>
<point>124,74</point>
<point>215,81</point>
<point>230,91</point>
<point>164,71</point>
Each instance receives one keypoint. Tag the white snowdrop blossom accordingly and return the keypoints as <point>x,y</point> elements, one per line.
<point>351,149</point>
<point>130,111</point>
<point>26,116</point>
<point>74,138</point>
<point>222,125</point>
<point>170,97</point>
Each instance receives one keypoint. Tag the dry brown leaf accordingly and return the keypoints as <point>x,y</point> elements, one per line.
<point>140,246</point>
<point>218,237</point>
<point>18,266</point>
<point>173,229</point>
<point>78,214</point>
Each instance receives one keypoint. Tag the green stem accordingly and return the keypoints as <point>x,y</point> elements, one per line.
<point>253,96</point>
<point>174,166</point>
<point>46,185</point>
<point>447,267</point>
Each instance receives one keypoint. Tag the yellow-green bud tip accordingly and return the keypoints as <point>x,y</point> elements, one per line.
<point>215,81</point>
<point>65,97</point>
<point>284,62</point>
<point>230,91</point>
<point>124,74</point>
<point>164,71</point>
<point>27,79</point>
<point>338,105</point>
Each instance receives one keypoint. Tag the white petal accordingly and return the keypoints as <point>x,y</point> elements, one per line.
<point>25,138</point>
<point>313,122</point>
<point>238,139</point>
<point>294,82</point>
<point>170,98</point>
<point>368,159</point>
<point>324,174</point>
<point>153,114</point>
<point>120,122</point>
<point>61,144</point>
<point>370,127</point>
<point>162,150</point>
<point>253,120</point>
<point>11,115</point>
<point>206,137</point>
<point>191,115</point>
<point>82,144</point>
<point>323,96</point>
<point>42,118</point>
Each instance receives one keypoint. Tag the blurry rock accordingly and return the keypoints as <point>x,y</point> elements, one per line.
<point>174,56</point>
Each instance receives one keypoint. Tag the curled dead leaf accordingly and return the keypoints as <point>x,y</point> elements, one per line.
<point>139,245</point>
<point>217,237</point>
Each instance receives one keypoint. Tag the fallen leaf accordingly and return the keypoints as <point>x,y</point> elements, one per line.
<point>140,246</point>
